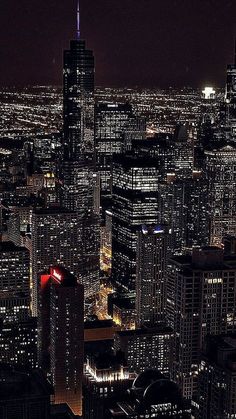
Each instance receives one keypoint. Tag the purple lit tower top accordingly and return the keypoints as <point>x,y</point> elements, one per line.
<point>78,21</point>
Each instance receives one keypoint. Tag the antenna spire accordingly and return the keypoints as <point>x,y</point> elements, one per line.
<point>78,21</point>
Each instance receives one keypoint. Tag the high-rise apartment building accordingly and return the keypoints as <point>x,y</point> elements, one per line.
<point>62,335</point>
<point>201,300</point>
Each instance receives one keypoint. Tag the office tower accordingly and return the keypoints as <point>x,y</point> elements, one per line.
<point>200,301</point>
<point>54,241</point>
<point>115,124</point>
<point>147,348</point>
<point>152,395</point>
<point>151,263</point>
<point>134,202</point>
<point>230,101</point>
<point>217,378</point>
<point>62,335</point>
<point>24,395</point>
<point>184,206</point>
<point>221,174</point>
<point>106,377</point>
<point>18,331</point>
<point>183,152</point>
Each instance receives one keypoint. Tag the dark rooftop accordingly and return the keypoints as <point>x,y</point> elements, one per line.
<point>18,384</point>
<point>11,247</point>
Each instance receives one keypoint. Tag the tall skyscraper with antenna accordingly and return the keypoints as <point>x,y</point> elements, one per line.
<point>78,157</point>
<point>78,98</point>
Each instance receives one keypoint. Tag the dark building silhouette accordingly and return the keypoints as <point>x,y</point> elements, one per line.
<point>151,263</point>
<point>217,378</point>
<point>62,335</point>
<point>24,395</point>
<point>151,396</point>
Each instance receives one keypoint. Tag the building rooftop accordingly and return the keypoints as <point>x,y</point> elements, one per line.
<point>97,324</point>
<point>160,329</point>
<point>19,384</point>
<point>52,211</point>
<point>108,360</point>
<point>7,246</point>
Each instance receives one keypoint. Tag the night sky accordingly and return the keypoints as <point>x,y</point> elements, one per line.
<point>135,42</point>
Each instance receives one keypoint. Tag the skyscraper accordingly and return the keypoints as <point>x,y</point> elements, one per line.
<point>221,175</point>
<point>230,101</point>
<point>78,98</point>
<point>62,335</point>
<point>184,206</point>
<point>135,202</point>
<point>18,330</point>
<point>114,124</point>
<point>78,165</point>
<point>200,301</point>
<point>217,378</point>
<point>54,241</point>
<point>151,263</point>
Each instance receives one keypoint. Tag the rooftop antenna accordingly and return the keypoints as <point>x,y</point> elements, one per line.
<point>78,21</point>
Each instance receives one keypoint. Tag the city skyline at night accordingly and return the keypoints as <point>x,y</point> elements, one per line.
<point>145,43</point>
<point>118,210</point>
